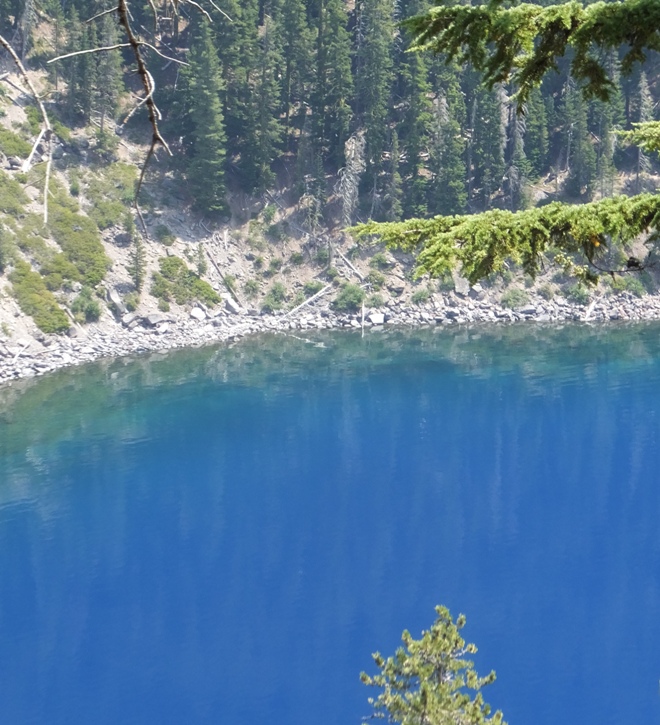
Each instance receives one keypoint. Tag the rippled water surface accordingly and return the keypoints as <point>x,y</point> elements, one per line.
<point>224,536</point>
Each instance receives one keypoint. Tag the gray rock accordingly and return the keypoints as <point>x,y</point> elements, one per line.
<point>461,285</point>
<point>115,299</point>
<point>477,292</point>
<point>58,152</point>
<point>232,306</point>
<point>154,318</point>
<point>14,162</point>
<point>377,318</point>
<point>128,318</point>
<point>198,314</point>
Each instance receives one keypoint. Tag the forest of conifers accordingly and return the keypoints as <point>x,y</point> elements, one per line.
<point>272,97</point>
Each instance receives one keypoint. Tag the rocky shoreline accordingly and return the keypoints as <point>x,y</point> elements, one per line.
<point>135,334</point>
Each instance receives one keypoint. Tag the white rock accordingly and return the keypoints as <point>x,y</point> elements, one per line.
<point>198,314</point>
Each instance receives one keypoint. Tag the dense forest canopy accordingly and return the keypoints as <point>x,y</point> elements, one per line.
<point>324,98</point>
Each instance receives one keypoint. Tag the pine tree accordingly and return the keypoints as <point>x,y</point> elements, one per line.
<point>203,83</point>
<point>373,82</point>
<point>579,151</point>
<point>394,192</point>
<point>332,95</point>
<point>644,113</point>
<point>298,54</point>
<point>488,151</point>
<point>447,192</point>
<point>108,77</point>
<point>536,138</point>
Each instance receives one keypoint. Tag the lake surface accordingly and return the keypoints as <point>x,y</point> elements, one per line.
<point>226,535</point>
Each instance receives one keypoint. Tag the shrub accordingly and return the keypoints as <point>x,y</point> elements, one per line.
<point>578,293</point>
<point>12,198</point>
<point>13,145</point>
<point>375,300</point>
<point>349,299</point>
<point>421,296</point>
<point>176,281</point>
<point>275,298</point>
<point>57,268</point>
<point>110,192</point>
<point>312,287</point>
<point>379,261</point>
<point>547,291</point>
<point>251,288</point>
<point>164,235</point>
<point>376,279</point>
<point>258,262</point>
<point>131,301</point>
<point>322,256</point>
<point>514,297</point>
<point>79,239</point>
<point>85,307</point>
<point>297,258</point>
<point>275,265</point>
<point>629,283</point>
<point>269,213</point>
<point>36,300</point>
<point>34,120</point>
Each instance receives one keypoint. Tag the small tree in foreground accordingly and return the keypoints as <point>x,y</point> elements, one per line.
<point>428,681</point>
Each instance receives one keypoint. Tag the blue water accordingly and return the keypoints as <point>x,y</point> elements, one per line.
<point>225,536</point>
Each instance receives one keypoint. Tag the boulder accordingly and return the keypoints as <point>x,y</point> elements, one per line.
<point>377,318</point>
<point>128,318</point>
<point>154,318</point>
<point>461,285</point>
<point>232,306</point>
<point>198,314</point>
<point>116,301</point>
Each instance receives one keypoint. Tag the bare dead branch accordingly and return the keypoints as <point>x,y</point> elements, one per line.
<point>47,129</point>
<point>101,14</point>
<point>221,11</point>
<point>87,51</point>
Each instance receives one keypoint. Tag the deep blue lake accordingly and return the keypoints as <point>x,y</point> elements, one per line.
<point>226,535</point>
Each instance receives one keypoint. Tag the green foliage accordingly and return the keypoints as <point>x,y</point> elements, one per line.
<point>56,269</point>
<point>34,120</point>
<point>251,288</point>
<point>375,300</point>
<point>275,298</point>
<point>36,300</point>
<point>86,307</point>
<point>429,681</point>
<point>13,145</point>
<point>421,296</point>
<point>297,258</point>
<point>578,293</point>
<point>322,256</point>
<point>514,297</point>
<point>313,286</point>
<point>110,191</point>
<point>137,263</point>
<point>379,261</point>
<point>79,239</point>
<point>481,243</point>
<point>176,281</point>
<point>547,291</point>
<point>131,301</point>
<point>522,43</point>
<point>349,299</point>
<point>12,198</point>
<point>164,235</point>
<point>375,279</point>
<point>628,283</point>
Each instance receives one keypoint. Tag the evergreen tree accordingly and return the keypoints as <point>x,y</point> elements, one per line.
<point>394,192</point>
<point>331,98</point>
<point>489,144</point>
<point>414,92</point>
<point>108,76</point>
<point>447,192</point>
<point>579,151</point>
<point>429,681</point>
<point>373,81</point>
<point>298,54</point>
<point>203,85</point>
<point>644,114</point>
<point>536,138</point>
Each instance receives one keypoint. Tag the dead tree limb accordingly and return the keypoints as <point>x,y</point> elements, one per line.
<point>47,129</point>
